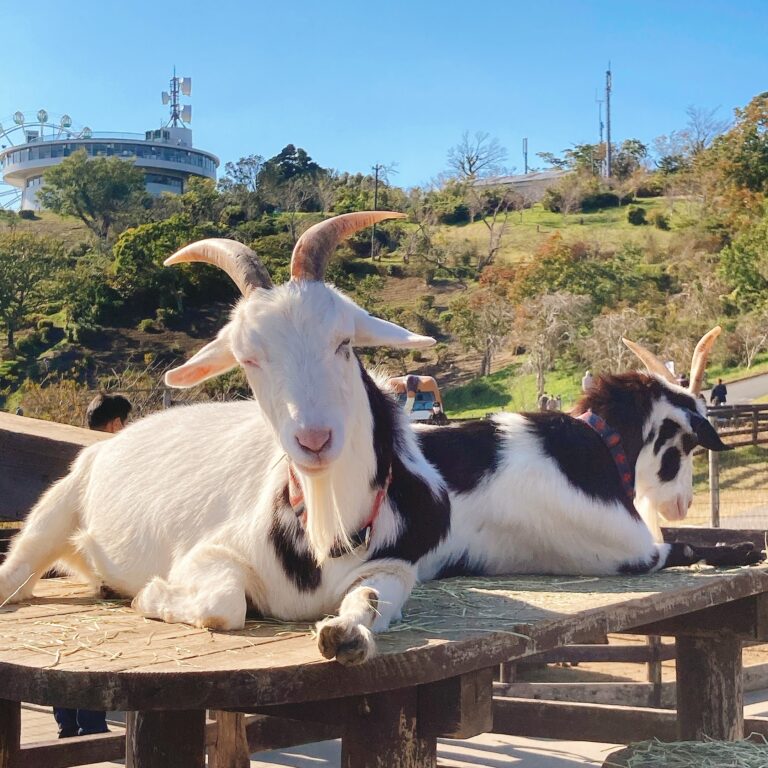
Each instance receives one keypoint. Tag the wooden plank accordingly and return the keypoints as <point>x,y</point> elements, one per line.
<point>384,733</point>
<point>10,732</point>
<point>170,739</point>
<point>638,654</point>
<point>62,753</point>
<point>746,618</point>
<point>231,747</point>
<point>709,537</point>
<point>457,708</point>
<point>264,732</point>
<point>630,694</point>
<point>581,722</point>
<point>710,696</point>
<point>34,453</point>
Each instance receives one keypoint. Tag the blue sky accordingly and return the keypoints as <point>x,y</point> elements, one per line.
<point>356,83</point>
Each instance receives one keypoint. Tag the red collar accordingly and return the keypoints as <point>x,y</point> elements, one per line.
<point>359,538</point>
<point>612,440</point>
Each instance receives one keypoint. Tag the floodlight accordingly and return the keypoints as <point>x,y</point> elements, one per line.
<point>186,113</point>
<point>166,97</point>
<point>186,85</point>
<point>18,118</point>
<point>42,116</point>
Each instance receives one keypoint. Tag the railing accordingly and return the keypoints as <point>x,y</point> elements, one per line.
<point>740,425</point>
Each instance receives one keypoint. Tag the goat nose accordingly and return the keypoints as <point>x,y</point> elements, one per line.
<point>313,440</point>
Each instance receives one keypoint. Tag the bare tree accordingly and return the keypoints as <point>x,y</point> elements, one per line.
<point>751,333</point>
<point>544,325</point>
<point>604,349</point>
<point>493,206</point>
<point>476,156</point>
<point>702,128</point>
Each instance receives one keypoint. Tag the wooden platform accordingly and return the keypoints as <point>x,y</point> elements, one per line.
<point>457,625</point>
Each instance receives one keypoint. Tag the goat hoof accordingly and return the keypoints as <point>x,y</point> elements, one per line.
<point>345,641</point>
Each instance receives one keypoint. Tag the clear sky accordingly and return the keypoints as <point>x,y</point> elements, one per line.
<point>356,83</point>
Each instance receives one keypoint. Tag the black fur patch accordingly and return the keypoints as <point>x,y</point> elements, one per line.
<point>689,442</point>
<point>581,455</point>
<point>426,517</point>
<point>460,567</point>
<point>667,431</point>
<point>636,568</point>
<point>464,454</point>
<point>286,534</point>
<point>670,465</point>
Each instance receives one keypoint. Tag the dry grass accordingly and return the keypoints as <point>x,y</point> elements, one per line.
<point>702,754</point>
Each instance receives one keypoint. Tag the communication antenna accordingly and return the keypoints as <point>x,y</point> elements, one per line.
<point>525,155</point>
<point>608,152</point>
<point>179,86</point>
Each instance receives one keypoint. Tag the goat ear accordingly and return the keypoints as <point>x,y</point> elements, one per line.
<point>372,332</point>
<point>706,434</point>
<point>213,359</point>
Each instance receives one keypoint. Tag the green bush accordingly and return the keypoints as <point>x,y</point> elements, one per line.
<point>599,200</point>
<point>147,325</point>
<point>660,220</point>
<point>27,215</point>
<point>552,201</point>
<point>636,215</point>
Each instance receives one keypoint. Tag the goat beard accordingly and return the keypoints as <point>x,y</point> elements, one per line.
<point>325,524</point>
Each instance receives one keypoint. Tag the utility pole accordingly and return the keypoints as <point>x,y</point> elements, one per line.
<point>525,155</point>
<point>608,153</point>
<point>599,103</point>
<point>376,168</point>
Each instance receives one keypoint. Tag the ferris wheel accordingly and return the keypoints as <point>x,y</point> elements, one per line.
<point>22,129</point>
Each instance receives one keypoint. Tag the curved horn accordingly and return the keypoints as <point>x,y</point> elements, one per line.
<point>237,260</point>
<point>315,247</point>
<point>700,357</point>
<point>651,362</point>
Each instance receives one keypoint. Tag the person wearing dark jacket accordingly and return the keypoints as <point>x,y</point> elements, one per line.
<point>719,393</point>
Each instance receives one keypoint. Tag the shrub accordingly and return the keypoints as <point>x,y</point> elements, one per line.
<point>598,200</point>
<point>416,356</point>
<point>27,215</point>
<point>636,215</point>
<point>660,220</point>
<point>552,201</point>
<point>147,325</point>
<point>395,270</point>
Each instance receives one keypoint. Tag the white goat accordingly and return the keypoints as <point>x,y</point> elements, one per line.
<point>197,512</point>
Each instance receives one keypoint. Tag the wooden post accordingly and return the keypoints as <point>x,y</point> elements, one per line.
<point>754,425</point>
<point>231,748</point>
<point>654,668</point>
<point>710,693</point>
<point>130,726</point>
<point>507,672</point>
<point>383,733</point>
<point>10,732</point>
<point>714,484</point>
<point>172,739</point>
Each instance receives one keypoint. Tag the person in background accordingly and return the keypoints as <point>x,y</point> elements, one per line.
<point>106,413</point>
<point>719,393</point>
<point>543,403</point>
<point>552,403</point>
<point>587,381</point>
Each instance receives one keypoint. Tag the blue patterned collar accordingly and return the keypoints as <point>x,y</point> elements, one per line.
<point>612,440</point>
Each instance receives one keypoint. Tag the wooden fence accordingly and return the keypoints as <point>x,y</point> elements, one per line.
<point>741,425</point>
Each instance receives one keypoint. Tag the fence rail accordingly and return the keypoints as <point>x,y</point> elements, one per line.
<point>740,425</point>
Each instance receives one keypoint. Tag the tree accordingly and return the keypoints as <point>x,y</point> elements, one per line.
<point>603,348</point>
<point>244,175</point>
<point>95,190</point>
<point>744,265</point>
<point>751,333</point>
<point>493,206</point>
<point>28,266</point>
<point>476,156</point>
<point>544,325</point>
<point>482,322</point>
<point>702,128</point>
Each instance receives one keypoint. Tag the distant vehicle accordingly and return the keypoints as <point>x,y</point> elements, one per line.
<point>420,398</point>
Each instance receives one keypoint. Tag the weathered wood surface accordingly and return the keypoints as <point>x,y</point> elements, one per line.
<point>65,647</point>
<point>34,453</point>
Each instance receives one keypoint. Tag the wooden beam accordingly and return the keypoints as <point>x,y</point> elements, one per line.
<point>746,618</point>
<point>385,734</point>
<point>83,750</point>
<point>630,694</point>
<point>264,732</point>
<point>169,739</point>
<point>457,708</point>
<point>231,747</point>
<point>10,732</point>
<point>710,695</point>
<point>639,654</point>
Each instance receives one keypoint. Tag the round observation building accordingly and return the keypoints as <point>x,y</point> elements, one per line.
<point>166,155</point>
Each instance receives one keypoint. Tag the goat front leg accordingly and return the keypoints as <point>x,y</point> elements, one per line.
<point>206,588</point>
<point>368,606</point>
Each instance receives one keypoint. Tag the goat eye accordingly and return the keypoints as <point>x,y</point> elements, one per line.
<point>343,347</point>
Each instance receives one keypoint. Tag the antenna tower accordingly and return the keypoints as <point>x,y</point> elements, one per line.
<point>525,154</point>
<point>608,151</point>
<point>179,86</point>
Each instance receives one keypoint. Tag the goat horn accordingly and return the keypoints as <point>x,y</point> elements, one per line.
<point>315,247</point>
<point>651,362</point>
<point>700,357</point>
<point>237,260</point>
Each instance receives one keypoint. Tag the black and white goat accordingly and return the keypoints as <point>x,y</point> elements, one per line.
<point>558,493</point>
<point>316,498</point>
